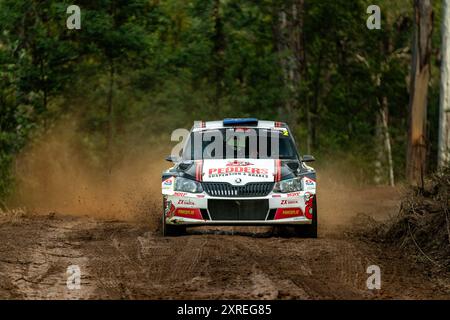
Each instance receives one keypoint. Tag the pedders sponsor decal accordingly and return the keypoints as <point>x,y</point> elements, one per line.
<point>238,169</point>
<point>253,170</point>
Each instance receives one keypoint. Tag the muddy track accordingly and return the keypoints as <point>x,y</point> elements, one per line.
<point>123,260</point>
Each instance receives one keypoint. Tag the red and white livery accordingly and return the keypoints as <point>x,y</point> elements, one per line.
<point>240,172</point>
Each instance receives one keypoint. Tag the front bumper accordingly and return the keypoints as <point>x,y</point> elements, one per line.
<point>295,208</point>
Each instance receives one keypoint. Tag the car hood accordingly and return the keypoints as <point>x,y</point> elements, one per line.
<point>240,171</point>
<point>237,171</point>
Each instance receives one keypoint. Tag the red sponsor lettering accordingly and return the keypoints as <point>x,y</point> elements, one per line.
<point>188,213</point>
<point>284,213</point>
<point>238,170</point>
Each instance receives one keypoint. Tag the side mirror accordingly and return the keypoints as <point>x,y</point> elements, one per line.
<point>293,165</point>
<point>172,158</point>
<point>308,158</point>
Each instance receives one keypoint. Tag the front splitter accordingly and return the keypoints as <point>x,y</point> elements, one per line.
<point>194,222</point>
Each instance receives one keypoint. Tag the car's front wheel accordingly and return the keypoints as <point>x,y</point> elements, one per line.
<point>309,230</point>
<point>303,231</point>
<point>169,230</point>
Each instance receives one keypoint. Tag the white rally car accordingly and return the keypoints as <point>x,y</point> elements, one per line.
<point>240,172</point>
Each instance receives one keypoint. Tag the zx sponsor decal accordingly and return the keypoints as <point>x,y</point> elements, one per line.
<point>286,202</point>
<point>186,202</point>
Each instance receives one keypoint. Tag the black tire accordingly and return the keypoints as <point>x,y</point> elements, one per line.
<point>310,230</point>
<point>169,230</point>
<point>301,231</point>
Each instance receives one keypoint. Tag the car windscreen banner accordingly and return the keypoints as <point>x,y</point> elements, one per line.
<point>240,171</point>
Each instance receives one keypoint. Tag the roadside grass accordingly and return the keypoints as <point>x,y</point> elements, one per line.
<point>14,215</point>
<point>421,228</point>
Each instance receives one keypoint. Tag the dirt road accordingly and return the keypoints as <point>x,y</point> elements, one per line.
<point>130,260</point>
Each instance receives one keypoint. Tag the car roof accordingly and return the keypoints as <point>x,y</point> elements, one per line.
<point>219,124</point>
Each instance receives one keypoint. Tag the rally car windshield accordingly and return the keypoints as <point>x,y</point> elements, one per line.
<point>240,143</point>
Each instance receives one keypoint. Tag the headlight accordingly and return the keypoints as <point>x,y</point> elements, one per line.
<point>287,186</point>
<point>187,185</point>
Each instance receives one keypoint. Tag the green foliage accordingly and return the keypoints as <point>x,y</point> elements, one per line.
<point>167,63</point>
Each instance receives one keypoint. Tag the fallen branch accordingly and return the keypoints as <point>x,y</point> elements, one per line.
<point>418,247</point>
<point>423,218</point>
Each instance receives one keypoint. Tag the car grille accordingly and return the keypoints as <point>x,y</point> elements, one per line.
<point>238,209</point>
<point>221,189</point>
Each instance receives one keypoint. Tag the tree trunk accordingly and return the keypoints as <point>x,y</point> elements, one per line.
<point>383,146</point>
<point>314,111</point>
<point>110,106</point>
<point>379,172</point>
<point>278,31</point>
<point>387,138</point>
<point>290,46</point>
<point>109,101</point>
<point>420,75</point>
<point>384,163</point>
<point>444,110</point>
<point>219,48</point>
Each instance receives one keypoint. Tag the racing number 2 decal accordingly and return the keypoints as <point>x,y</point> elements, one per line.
<point>309,207</point>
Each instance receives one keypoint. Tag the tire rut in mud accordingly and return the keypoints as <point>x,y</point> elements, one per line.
<point>34,260</point>
<point>120,260</point>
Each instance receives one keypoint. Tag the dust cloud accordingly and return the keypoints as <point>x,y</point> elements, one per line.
<point>341,200</point>
<point>55,176</point>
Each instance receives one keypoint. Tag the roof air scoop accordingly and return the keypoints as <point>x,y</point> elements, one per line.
<point>240,122</point>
